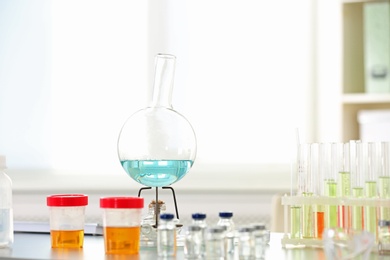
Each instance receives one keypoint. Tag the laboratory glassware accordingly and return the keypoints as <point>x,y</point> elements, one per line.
<point>226,221</point>
<point>193,242</point>
<point>166,236</point>
<point>157,145</point>
<point>199,219</point>
<point>370,189</point>
<point>384,179</point>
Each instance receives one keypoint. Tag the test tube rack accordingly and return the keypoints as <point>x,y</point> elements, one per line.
<point>288,201</point>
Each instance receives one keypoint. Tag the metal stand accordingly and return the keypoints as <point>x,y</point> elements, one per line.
<point>157,209</point>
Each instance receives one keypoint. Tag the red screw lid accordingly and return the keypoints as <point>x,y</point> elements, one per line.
<point>67,200</point>
<point>122,202</point>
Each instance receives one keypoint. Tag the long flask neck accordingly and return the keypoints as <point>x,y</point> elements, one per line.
<point>163,81</point>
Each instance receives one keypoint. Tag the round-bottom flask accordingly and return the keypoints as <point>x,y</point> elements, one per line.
<point>157,145</point>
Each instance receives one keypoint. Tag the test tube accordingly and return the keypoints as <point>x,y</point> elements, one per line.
<point>384,179</point>
<point>370,217</point>
<point>344,181</point>
<point>318,209</point>
<point>329,153</point>
<point>306,187</point>
<point>295,210</point>
<point>345,171</point>
<point>358,168</point>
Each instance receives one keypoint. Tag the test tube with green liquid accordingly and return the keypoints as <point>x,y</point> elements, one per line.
<point>384,179</point>
<point>295,221</point>
<point>295,210</point>
<point>328,175</point>
<point>357,183</point>
<point>344,181</point>
<point>306,188</point>
<point>370,188</point>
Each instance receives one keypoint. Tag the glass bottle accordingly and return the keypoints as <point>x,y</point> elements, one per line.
<point>215,243</point>
<point>226,221</point>
<point>148,228</point>
<point>166,236</point>
<point>193,242</point>
<point>261,237</point>
<point>6,212</point>
<point>246,243</point>
<point>199,219</point>
<point>157,145</point>
<point>384,236</point>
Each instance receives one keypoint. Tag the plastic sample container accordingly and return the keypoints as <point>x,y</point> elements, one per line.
<point>67,216</point>
<point>122,224</point>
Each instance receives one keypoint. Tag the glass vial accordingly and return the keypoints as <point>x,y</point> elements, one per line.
<point>166,236</point>
<point>215,243</point>
<point>261,237</point>
<point>226,221</point>
<point>199,219</point>
<point>193,242</point>
<point>6,213</point>
<point>384,237</point>
<point>245,243</point>
<point>148,223</point>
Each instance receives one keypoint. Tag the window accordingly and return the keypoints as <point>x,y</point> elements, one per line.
<point>71,72</point>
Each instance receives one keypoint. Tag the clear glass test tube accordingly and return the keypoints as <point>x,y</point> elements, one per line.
<point>329,153</point>
<point>318,209</point>
<point>370,188</point>
<point>324,163</point>
<point>295,210</point>
<point>307,187</point>
<point>343,182</point>
<point>384,179</point>
<point>343,166</point>
<point>358,169</point>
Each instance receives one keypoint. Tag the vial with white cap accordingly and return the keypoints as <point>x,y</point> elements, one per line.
<point>6,213</point>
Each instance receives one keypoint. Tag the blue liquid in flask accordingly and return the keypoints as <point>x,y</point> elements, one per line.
<point>156,173</point>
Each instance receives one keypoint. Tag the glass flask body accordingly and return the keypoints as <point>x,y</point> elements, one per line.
<point>157,145</point>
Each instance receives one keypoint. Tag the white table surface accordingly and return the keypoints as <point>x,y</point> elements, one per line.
<point>37,246</point>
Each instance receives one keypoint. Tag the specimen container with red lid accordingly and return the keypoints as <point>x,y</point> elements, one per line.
<point>67,217</point>
<point>121,224</point>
